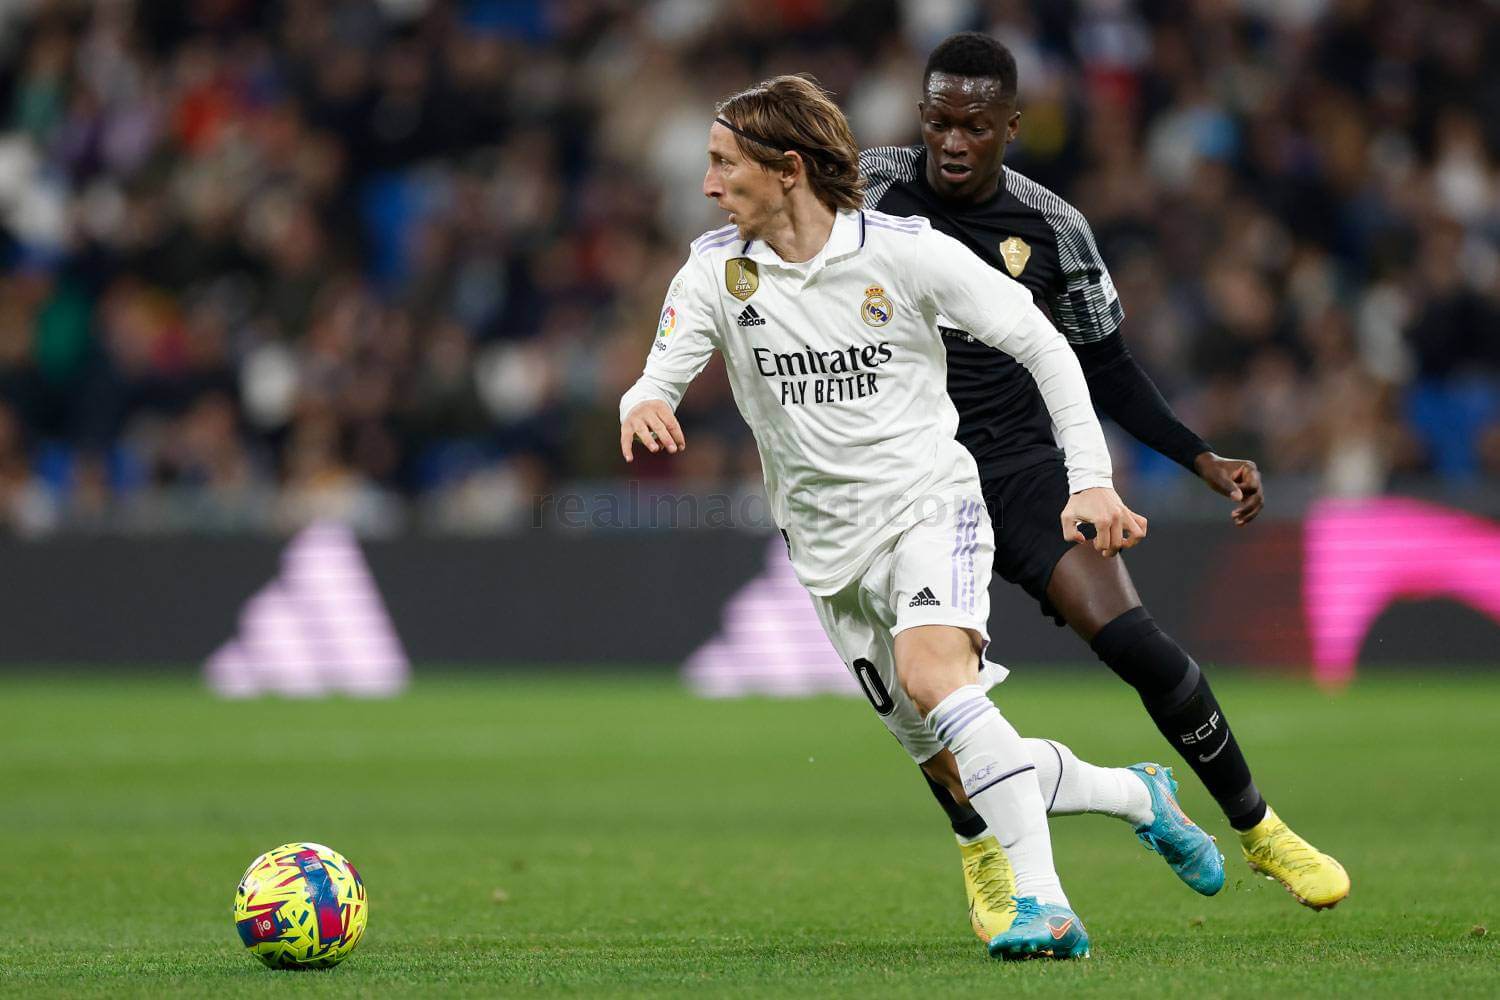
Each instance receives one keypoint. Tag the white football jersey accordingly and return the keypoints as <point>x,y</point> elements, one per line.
<point>838,367</point>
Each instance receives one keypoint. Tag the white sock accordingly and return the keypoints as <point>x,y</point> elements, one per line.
<point>1070,786</point>
<point>997,774</point>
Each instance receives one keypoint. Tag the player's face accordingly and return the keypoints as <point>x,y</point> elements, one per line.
<point>748,191</point>
<point>966,124</point>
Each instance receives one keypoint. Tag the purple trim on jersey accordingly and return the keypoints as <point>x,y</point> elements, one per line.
<point>970,549</point>
<point>969,558</point>
<point>966,540</point>
<point>721,243</point>
<point>961,598</point>
<point>894,229</point>
<point>908,220</point>
<point>897,221</point>
<point>958,537</point>
<point>861,230</point>
<point>712,235</point>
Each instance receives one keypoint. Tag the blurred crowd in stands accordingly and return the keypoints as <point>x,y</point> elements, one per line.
<point>395,260</point>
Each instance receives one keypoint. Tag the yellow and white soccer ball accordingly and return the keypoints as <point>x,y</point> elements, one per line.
<point>301,906</point>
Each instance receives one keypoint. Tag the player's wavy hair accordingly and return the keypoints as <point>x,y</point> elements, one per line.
<point>794,113</point>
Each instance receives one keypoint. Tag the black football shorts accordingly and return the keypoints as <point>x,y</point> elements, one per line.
<point>1024,507</point>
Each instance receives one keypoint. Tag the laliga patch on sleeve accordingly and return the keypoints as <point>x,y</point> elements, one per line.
<point>665,326</point>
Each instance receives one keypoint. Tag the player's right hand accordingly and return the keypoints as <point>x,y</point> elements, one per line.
<point>655,424</point>
<point>1116,526</point>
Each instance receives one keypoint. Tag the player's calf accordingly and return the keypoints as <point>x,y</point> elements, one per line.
<point>1182,704</point>
<point>999,781</point>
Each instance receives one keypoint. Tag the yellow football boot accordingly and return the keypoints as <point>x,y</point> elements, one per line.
<point>1273,850</point>
<point>991,886</point>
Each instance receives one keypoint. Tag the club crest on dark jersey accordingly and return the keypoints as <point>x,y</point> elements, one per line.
<point>876,309</point>
<point>1015,252</point>
<point>741,277</point>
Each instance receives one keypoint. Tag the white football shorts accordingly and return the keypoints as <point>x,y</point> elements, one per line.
<point>937,572</point>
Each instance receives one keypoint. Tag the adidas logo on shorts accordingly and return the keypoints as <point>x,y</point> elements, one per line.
<point>924,597</point>
<point>749,317</point>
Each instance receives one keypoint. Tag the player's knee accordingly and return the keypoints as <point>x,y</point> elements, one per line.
<point>1145,657</point>
<point>933,661</point>
<point>927,686</point>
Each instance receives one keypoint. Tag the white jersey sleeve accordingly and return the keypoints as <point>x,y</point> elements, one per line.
<point>685,340</point>
<point>1000,312</point>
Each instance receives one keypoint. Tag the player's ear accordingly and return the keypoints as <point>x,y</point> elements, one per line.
<point>1013,126</point>
<point>791,165</point>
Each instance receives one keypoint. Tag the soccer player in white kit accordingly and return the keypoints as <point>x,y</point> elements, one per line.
<point>826,317</point>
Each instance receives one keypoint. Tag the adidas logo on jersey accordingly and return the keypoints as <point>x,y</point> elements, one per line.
<point>749,317</point>
<point>924,597</point>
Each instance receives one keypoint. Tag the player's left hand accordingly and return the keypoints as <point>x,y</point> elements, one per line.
<point>1236,478</point>
<point>1116,526</point>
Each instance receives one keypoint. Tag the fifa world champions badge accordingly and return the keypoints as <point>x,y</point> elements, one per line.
<point>876,308</point>
<point>741,277</point>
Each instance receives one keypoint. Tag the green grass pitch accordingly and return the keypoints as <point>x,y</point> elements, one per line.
<point>612,835</point>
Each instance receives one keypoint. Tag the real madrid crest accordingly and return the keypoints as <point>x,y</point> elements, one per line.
<point>1015,252</point>
<point>876,308</point>
<point>741,277</point>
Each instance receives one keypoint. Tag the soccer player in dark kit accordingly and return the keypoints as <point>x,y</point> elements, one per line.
<point>957,180</point>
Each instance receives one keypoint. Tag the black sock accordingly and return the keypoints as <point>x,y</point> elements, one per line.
<point>966,822</point>
<point>1180,702</point>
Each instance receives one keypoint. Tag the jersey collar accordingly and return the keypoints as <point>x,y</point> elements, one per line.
<point>847,237</point>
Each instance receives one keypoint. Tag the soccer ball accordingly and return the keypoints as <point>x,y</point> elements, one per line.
<point>301,906</point>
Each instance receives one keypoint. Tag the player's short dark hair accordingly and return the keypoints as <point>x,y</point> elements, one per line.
<point>974,54</point>
<point>795,113</point>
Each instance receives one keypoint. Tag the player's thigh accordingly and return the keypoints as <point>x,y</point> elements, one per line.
<point>1074,584</point>
<point>1029,545</point>
<point>864,642</point>
<point>933,661</point>
<point>1090,591</point>
<point>940,577</point>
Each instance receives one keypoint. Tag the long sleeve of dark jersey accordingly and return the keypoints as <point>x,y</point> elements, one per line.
<point>1123,391</point>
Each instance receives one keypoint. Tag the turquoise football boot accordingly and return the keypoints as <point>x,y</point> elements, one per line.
<point>1190,852</point>
<point>1039,931</point>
